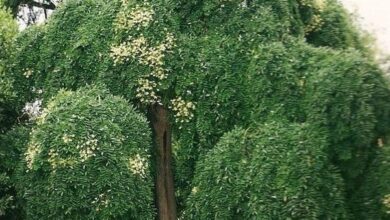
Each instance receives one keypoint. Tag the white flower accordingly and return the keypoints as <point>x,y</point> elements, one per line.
<point>67,138</point>
<point>183,110</point>
<point>386,202</point>
<point>195,190</point>
<point>139,49</point>
<point>27,73</point>
<point>33,150</point>
<point>138,165</point>
<point>33,109</point>
<point>87,149</point>
<point>139,17</point>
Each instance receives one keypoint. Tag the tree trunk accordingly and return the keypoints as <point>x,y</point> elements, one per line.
<point>166,202</point>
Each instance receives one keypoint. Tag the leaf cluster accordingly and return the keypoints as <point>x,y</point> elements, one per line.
<point>79,160</point>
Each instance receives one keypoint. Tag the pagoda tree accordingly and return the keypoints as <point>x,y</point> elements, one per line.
<point>201,69</point>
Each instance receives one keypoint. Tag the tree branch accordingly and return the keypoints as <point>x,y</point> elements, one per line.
<point>50,5</point>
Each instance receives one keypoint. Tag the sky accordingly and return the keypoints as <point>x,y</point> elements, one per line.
<point>374,16</point>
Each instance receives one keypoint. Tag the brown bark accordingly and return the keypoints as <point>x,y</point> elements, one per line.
<point>166,202</point>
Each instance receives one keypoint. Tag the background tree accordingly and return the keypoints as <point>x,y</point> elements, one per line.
<point>8,30</point>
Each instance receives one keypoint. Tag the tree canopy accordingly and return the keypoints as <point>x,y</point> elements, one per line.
<point>87,157</point>
<point>290,87</point>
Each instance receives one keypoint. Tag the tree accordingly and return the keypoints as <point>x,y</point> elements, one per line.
<point>198,69</point>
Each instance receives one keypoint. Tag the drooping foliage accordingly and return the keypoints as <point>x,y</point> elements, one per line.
<point>275,171</point>
<point>334,90</point>
<point>12,146</point>
<point>87,158</point>
<point>221,64</point>
<point>46,60</point>
<point>294,17</point>
<point>370,202</point>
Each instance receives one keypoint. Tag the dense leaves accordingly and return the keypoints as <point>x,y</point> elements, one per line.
<point>88,157</point>
<point>8,155</point>
<point>12,146</point>
<point>8,30</point>
<point>338,29</point>
<point>222,64</point>
<point>273,171</point>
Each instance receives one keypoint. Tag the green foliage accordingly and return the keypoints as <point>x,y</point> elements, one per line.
<point>25,55</point>
<point>383,174</point>
<point>202,17</point>
<point>12,144</point>
<point>153,39</point>
<point>13,5</point>
<point>350,98</point>
<point>275,171</point>
<point>340,98</point>
<point>337,30</point>
<point>210,72</point>
<point>88,158</point>
<point>8,30</point>
<point>371,200</point>
<point>237,62</point>
<point>342,92</point>
<point>11,141</point>
<point>68,52</point>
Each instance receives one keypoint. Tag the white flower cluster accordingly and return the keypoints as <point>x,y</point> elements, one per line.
<point>316,21</point>
<point>27,73</point>
<point>139,49</point>
<point>87,149</point>
<point>53,158</point>
<point>138,165</point>
<point>195,190</point>
<point>37,91</point>
<point>128,49</point>
<point>320,4</point>
<point>33,150</point>
<point>146,91</point>
<point>139,17</point>
<point>42,117</point>
<point>183,110</point>
<point>386,203</point>
<point>56,161</point>
<point>101,201</point>
<point>33,109</point>
<point>317,4</point>
<point>67,138</point>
